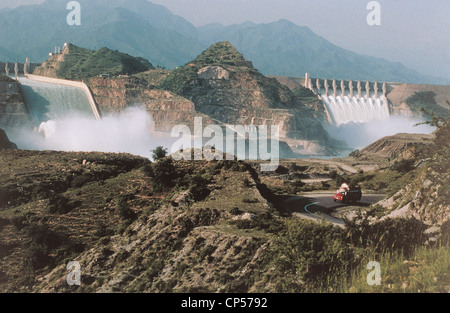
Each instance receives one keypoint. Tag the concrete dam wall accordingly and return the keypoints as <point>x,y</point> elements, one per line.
<point>347,101</point>
<point>50,98</point>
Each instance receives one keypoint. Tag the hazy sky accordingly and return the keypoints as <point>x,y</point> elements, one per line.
<point>414,32</point>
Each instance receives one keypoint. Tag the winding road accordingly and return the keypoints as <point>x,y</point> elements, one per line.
<point>319,205</point>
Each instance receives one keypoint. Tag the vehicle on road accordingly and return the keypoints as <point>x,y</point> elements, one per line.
<point>352,194</point>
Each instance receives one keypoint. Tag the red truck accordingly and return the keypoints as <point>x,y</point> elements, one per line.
<point>353,194</point>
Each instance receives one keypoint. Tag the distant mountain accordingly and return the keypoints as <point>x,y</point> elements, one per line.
<point>285,49</point>
<point>136,27</point>
<point>141,28</point>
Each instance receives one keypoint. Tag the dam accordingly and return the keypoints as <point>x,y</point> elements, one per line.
<point>55,99</point>
<point>351,102</point>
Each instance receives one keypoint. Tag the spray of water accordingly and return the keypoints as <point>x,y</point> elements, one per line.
<point>360,135</point>
<point>129,131</point>
<point>352,109</point>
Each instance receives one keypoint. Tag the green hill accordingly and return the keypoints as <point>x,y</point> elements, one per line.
<point>79,63</point>
<point>221,53</point>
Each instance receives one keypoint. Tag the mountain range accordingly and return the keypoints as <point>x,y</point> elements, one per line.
<point>144,29</point>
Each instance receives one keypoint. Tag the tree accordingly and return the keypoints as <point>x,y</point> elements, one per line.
<point>164,174</point>
<point>159,153</point>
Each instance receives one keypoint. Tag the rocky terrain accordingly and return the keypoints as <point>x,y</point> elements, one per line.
<point>12,106</point>
<point>4,141</point>
<point>400,146</point>
<point>137,226</point>
<point>112,95</point>
<point>128,232</point>
<point>408,99</point>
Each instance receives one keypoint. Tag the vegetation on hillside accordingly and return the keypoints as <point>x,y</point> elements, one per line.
<point>182,79</point>
<point>425,100</point>
<point>221,53</point>
<point>81,64</point>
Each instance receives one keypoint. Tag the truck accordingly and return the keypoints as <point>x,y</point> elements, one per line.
<point>353,194</point>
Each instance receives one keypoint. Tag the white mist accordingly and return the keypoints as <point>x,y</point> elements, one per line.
<point>129,131</point>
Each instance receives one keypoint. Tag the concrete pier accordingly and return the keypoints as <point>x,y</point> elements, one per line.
<point>16,70</point>
<point>347,88</point>
<point>307,81</point>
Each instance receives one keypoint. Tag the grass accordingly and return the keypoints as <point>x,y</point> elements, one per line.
<point>427,270</point>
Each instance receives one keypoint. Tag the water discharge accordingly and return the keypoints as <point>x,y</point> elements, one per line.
<point>347,109</point>
<point>129,131</point>
<point>64,121</point>
<point>53,101</point>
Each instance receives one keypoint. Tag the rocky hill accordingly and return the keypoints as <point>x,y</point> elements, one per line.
<point>400,146</point>
<point>408,99</point>
<point>225,86</point>
<point>427,197</point>
<point>167,108</point>
<point>77,63</point>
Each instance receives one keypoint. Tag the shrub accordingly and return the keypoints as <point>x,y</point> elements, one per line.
<point>42,240</point>
<point>355,154</point>
<point>249,200</point>
<point>325,185</point>
<point>159,153</point>
<point>403,166</point>
<point>163,172</point>
<point>298,183</point>
<point>19,221</point>
<point>123,209</point>
<point>4,222</point>
<point>59,204</point>
<point>309,252</point>
<point>235,211</point>
<point>80,180</point>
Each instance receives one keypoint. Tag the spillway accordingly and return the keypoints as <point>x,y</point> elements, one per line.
<point>47,101</point>
<point>347,109</point>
